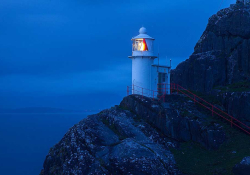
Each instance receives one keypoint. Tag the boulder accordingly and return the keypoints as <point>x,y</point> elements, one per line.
<point>243,168</point>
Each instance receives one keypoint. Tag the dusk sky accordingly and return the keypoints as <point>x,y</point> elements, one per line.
<point>73,54</point>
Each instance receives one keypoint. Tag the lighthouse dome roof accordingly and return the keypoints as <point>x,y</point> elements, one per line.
<point>142,34</point>
<point>143,30</point>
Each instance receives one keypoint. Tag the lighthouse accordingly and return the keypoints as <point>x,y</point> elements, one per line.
<point>148,79</point>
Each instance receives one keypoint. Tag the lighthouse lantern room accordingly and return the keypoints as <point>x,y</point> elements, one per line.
<point>147,77</point>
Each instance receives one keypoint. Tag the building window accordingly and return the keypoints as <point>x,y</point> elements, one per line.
<point>164,78</point>
<point>140,45</point>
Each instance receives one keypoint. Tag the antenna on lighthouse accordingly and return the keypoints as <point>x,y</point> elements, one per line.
<point>158,55</point>
<point>158,59</point>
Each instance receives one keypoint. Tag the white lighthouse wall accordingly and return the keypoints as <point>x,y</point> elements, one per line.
<point>154,80</point>
<point>141,75</point>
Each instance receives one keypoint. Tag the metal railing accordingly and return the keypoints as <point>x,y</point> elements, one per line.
<point>214,110</point>
<point>134,89</point>
<point>162,91</point>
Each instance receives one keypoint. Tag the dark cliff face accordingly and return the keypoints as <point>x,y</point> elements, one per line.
<point>178,118</point>
<point>222,55</point>
<point>220,64</point>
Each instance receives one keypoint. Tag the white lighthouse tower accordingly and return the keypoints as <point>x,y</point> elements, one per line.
<point>147,79</point>
<point>142,60</point>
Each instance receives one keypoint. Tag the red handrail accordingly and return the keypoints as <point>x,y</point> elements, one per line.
<point>212,108</point>
<point>196,98</point>
<point>142,91</point>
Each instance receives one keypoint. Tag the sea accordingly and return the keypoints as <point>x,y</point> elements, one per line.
<point>25,139</point>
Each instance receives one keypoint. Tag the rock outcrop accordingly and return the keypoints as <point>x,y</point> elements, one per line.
<point>133,138</point>
<point>243,168</point>
<point>220,64</point>
<point>222,55</point>
<point>178,118</point>
<point>237,104</point>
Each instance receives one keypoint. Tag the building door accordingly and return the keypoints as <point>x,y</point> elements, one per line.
<point>162,83</point>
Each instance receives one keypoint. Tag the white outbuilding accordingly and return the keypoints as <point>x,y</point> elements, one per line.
<point>148,79</point>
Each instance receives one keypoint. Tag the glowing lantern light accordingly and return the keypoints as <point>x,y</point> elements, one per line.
<point>143,45</point>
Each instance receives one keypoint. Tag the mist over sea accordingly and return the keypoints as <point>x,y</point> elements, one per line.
<point>25,139</point>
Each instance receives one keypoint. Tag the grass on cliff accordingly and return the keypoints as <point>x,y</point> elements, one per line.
<point>194,159</point>
<point>236,87</point>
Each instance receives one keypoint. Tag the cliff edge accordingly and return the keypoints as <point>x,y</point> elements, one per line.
<point>220,64</point>
<point>145,136</point>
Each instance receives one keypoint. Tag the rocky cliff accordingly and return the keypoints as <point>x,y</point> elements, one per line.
<point>242,168</point>
<point>133,138</point>
<point>145,136</point>
<point>115,141</point>
<point>220,64</point>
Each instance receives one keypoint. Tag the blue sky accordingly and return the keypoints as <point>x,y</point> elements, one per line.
<point>74,54</point>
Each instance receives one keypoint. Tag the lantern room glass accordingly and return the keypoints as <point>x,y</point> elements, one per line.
<point>138,45</point>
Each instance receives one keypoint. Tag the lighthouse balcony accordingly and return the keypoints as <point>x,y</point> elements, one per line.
<point>143,53</point>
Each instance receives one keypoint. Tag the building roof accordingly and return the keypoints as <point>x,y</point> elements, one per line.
<point>156,65</point>
<point>142,34</point>
<point>143,56</point>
